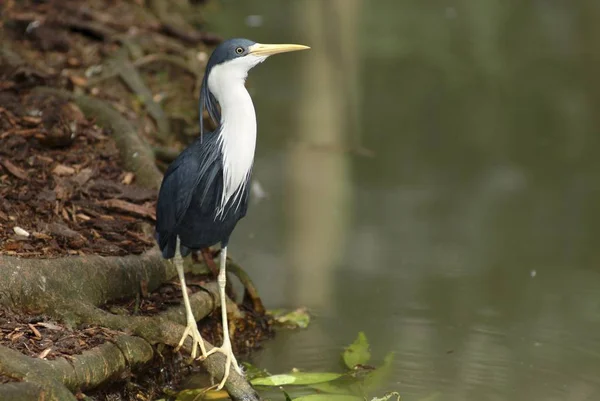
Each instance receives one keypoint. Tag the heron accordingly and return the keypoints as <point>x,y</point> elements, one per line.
<point>205,190</point>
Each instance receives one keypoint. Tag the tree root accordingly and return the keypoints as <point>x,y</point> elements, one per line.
<point>177,61</point>
<point>82,372</point>
<point>129,75</point>
<point>175,25</point>
<point>70,289</point>
<point>135,153</point>
<point>250,293</point>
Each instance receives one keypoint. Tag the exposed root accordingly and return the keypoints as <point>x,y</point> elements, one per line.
<point>136,154</point>
<point>71,289</point>
<point>250,293</point>
<point>127,72</point>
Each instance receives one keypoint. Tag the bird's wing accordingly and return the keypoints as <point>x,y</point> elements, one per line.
<point>197,163</point>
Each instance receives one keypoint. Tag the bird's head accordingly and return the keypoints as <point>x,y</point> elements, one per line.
<point>229,65</point>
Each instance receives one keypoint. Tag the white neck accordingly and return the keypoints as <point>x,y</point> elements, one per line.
<point>238,129</point>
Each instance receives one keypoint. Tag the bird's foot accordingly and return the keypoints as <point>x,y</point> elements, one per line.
<point>226,350</point>
<point>191,330</point>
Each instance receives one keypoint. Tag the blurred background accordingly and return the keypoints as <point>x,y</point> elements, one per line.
<point>427,173</point>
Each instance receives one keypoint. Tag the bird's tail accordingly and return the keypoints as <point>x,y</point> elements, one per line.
<point>167,244</point>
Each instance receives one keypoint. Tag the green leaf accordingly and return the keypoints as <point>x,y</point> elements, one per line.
<point>253,372</point>
<point>298,318</point>
<point>297,378</point>
<point>344,385</point>
<point>198,394</point>
<point>358,352</point>
<point>190,394</point>
<point>379,376</point>
<point>387,397</point>
<point>328,397</point>
<point>333,388</point>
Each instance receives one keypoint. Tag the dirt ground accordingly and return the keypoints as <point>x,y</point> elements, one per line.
<point>40,337</point>
<point>62,189</point>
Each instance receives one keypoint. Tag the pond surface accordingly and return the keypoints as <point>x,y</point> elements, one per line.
<point>429,174</point>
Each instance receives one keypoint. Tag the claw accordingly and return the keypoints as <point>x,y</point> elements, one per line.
<point>191,330</point>
<point>226,350</point>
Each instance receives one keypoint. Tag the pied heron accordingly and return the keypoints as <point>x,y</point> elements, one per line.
<point>205,190</point>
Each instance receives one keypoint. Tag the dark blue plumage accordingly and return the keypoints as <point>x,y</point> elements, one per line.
<point>189,198</point>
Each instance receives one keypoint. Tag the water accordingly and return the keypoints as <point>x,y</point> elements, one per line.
<point>431,178</point>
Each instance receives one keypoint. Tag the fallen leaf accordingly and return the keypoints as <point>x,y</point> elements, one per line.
<point>45,353</point>
<point>49,326</point>
<point>62,230</point>
<point>45,159</point>
<point>34,331</point>
<point>61,170</point>
<point>14,170</point>
<point>16,336</point>
<point>296,378</point>
<point>31,120</point>
<point>128,178</point>
<point>125,206</point>
<point>296,318</point>
<point>41,235</point>
<point>83,176</point>
<point>358,352</point>
<point>12,246</point>
<point>20,232</point>
<point>78,80</point>
<point>61,191</point>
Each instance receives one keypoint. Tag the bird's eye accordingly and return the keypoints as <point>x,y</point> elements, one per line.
<point>239,50</point>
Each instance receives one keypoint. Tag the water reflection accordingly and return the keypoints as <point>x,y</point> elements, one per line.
<point>467,244</point>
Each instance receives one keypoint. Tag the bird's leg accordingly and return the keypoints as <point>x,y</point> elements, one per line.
<point>226,347</point>
<point>192,327</point>
<point>209,259</point>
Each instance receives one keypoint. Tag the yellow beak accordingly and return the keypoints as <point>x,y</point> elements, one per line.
<point>260,49</point>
